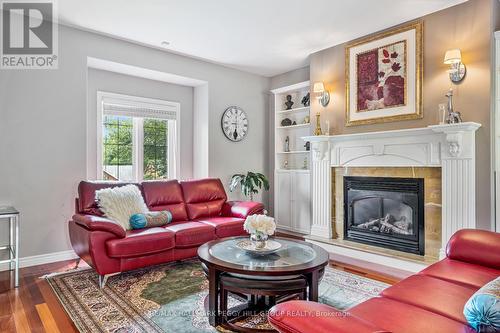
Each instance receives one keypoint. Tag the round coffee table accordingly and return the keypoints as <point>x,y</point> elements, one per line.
<point>295,260</point>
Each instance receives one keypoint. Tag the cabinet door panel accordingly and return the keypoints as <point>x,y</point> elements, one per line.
<point>301,204</point>
<point>283,200</point>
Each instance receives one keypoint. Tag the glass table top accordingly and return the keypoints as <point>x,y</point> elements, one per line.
<point>291,253</point>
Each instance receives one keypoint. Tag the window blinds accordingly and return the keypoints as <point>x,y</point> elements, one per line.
<point>142,110</point>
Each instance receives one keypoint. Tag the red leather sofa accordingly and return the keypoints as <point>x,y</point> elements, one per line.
<point>431,301</point>
<point>200,212</point>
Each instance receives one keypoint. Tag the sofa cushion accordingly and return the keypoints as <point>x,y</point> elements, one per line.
<point>398,317</point>
<point>482,310</point>
<point>165,195</point>
<point>433,294</point>
<point>225,226</point>
<point>150,219</point>
<point>304,316</point>
<point>204,197</point>
<point>191,234</point>
<point>87,203</point>
<point>461,272</point>
<point>120,203</point>
<point>141,242</point>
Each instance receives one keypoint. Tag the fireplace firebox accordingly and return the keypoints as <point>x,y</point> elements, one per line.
<point>386,212</point>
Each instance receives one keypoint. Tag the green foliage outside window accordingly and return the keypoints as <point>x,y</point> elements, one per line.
<point>118,145</point>
<point>155,149</point>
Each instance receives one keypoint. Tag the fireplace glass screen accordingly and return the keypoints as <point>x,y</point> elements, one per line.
<point>385,211</point>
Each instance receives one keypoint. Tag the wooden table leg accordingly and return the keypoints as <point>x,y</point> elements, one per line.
<point>313,282</point>
<point>213,291</point>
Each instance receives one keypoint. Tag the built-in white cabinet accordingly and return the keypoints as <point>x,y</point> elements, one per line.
<point>292,176</point>
<point>283,199</point>
<point>293,200</point>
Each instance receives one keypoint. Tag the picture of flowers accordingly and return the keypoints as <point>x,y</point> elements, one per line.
<point>381,77</point>
<point>384,76</point>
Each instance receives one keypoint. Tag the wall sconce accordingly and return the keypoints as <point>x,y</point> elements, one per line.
<point>322,95</point>
<point>457,68</point>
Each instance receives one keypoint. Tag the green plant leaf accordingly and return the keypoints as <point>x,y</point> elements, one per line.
<point>250,184</point>
<point>235,181</point>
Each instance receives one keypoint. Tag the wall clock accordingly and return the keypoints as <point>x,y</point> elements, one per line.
<point>234,123</point>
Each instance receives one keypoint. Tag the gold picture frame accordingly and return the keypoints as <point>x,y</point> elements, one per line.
<point>412,108</point>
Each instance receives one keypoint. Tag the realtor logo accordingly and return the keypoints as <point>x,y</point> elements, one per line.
<point>29,35</point>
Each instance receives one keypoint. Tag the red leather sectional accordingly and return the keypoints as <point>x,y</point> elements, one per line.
<point>200,212</point>
<point>431,301</point>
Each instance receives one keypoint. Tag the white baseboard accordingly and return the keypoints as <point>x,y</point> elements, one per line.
<point>42,259</point>
<point>371,257</point>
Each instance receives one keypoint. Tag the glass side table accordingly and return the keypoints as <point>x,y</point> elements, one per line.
<point>10,253</point>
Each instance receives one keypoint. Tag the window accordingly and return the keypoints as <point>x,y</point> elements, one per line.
<point>137,139</point>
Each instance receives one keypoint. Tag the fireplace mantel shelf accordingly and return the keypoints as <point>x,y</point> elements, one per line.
<point>447,128</point>
<point>450,147</point>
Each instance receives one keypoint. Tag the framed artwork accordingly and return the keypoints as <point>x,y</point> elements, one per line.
<point>384,76</point>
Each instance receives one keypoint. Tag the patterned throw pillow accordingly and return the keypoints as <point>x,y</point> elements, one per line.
<point>482,310</point>
<point>119,203</point>
<point>150,219</point>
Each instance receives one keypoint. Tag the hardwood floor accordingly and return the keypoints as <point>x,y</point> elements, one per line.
<point>33,307</point>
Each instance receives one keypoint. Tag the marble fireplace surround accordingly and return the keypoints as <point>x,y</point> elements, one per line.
<point>450,147</point>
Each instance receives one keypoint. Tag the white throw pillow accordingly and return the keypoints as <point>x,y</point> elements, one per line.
<point>119,203</point>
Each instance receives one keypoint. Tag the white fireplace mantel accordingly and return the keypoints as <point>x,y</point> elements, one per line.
<point>450,146</point>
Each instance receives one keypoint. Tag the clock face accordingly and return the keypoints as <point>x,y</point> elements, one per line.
<point>234,123</point>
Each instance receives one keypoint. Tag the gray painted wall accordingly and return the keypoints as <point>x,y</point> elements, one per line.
<point>99,80</point>
<point>43,129</point>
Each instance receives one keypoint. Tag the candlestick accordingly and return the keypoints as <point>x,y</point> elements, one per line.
<point>318,131</point>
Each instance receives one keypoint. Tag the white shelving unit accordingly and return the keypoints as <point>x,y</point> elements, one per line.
<point>292,177</point>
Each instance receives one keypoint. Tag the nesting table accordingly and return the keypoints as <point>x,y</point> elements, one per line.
<point>293,271</point>
<point>10,253</point>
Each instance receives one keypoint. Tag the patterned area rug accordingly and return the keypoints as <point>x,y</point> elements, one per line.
<point>170,298</point>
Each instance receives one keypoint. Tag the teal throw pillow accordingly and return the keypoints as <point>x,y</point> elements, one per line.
<point>482,310</point>
<point>150,219</point>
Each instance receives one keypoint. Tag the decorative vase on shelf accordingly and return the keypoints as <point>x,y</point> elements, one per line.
<point>259,239</point>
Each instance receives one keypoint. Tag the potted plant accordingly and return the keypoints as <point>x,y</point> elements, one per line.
<point>251,183</point>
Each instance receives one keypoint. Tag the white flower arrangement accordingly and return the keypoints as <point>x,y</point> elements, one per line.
<point>263,224</point>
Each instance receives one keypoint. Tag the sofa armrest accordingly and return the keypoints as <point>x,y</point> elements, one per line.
<point>98,223</point>
<point>311,317</point>
<point>242,208</point>
<point>474,246</point>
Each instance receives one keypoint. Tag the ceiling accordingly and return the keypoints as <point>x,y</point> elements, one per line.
<point>265,37</point>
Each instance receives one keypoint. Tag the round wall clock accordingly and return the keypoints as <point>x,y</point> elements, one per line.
<point>234,123</point>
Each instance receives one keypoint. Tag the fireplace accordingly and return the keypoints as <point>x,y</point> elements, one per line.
<point>386,212</point>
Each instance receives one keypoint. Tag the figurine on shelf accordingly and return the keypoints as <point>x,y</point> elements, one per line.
<point>306,165</point>
<point>308,146</point>
<point>453,117</point>
<point>288,102</point>
<point>285,164</point>
<point>287,144</point>
<point>294,123</point>
<point>306,100</point>
<point>307,120</point>
<point>286,122</point>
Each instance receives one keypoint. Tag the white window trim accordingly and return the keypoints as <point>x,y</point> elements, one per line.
<point>174,140</point>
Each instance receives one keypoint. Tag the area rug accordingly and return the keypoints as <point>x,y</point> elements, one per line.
<point>170,298</point>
